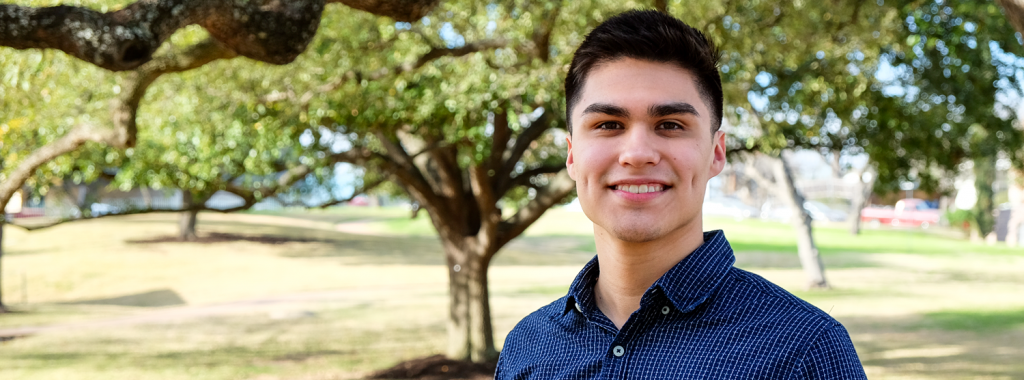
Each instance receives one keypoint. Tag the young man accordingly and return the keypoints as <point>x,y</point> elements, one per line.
<point>661,300</point>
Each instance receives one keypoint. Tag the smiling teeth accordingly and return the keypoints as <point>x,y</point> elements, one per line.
<point>640,189</point>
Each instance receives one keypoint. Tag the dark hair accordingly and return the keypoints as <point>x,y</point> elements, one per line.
<point>650,36</point>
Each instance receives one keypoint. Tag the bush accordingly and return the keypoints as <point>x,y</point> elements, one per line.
<point>960,218</point>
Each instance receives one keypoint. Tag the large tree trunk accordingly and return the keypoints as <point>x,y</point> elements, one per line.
<point>810,260</point>
<point>187,221</point>
<point>860,197</point>
<point>470,333</point>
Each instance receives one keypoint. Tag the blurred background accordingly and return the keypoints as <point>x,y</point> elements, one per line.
<point>251,190</point>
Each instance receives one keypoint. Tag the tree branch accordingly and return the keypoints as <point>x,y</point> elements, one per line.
<point>556,190</point>
<point>333,202</point>
<point>397,162</point>
<point>133,211</point>
<point>79,135</point>
<point>136,83</point>
<point>499,141</point>
<point>438,52</point>
<point>272,31</point>
<point>661,5</point>
<point>523,141</point>
<point>433,54</point>
<point>366,187</point>
<point>123,133</point>
<point>400,10</point>
<point>523,179</point>
<point>288,178</point>
<point>1014,10</point>
<point>486,203</point>
<point>750,170</point>
<point>853,18</point>
<point>542,34</point>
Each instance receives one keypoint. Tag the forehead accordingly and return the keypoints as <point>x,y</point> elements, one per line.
<point>631,82</point>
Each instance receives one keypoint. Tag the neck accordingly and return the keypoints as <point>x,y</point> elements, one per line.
<point>628,269</point>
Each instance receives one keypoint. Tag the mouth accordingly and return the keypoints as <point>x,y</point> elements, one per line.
<point>641,188</point>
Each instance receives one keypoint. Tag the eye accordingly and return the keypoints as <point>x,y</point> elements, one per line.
<point>609,125</point>
<point>670,125</point>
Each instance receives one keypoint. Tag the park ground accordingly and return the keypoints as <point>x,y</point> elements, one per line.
<point>341,293</point>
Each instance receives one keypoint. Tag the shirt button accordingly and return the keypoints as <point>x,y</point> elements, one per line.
<point>665,310</point>
<point>618,351</point>
<point>578,308</point>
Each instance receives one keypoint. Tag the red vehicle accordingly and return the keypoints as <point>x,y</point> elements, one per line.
<point>908,212</point>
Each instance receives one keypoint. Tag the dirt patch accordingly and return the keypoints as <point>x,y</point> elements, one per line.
<point>218,237</point>
<point>438,367</point>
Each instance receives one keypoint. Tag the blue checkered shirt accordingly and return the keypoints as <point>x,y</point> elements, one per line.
<point>704,319</point>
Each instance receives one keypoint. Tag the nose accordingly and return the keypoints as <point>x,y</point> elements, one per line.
<point>639,147</point>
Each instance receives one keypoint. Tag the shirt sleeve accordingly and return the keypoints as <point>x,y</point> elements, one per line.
<point>831,356</point>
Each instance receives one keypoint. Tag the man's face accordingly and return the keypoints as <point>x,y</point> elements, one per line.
<point>641,150</point>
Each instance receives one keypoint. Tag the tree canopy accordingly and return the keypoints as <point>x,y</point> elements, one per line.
<point>460,103</point>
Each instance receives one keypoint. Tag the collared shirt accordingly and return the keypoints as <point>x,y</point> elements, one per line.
<point>703,319</point>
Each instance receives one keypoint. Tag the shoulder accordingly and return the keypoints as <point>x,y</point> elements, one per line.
<point>538,324</point>
<point>823,348</point>
<point>831,356</point>
<point>521,345</point>
<point>769,298</point>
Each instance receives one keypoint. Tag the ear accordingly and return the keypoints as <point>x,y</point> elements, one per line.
<point>718,153</point>
<point>568,158</point>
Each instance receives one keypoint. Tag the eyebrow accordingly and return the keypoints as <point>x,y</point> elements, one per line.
<point>677,108</point>
<point>657,110</point>
<point>607,109</point>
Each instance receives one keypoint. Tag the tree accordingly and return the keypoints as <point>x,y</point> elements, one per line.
<point>955,84</point>
<point>795,86</point>
<point>937,110</point>
<point>129,38</point>
<point>457,147</point>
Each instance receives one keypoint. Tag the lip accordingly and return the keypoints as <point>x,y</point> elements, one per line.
<point>634,197</point>
<point>638,181</point>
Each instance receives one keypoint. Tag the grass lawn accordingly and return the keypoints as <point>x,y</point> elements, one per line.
<point>341,292</point>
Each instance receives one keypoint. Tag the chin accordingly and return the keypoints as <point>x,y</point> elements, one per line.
<point>637,234</point>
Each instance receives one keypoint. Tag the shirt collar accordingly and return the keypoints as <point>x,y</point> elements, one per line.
<point>688,284</point>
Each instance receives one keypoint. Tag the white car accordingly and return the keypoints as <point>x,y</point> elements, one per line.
<point>817,210</point>
<point>729,207</point>
<point>98,209</point>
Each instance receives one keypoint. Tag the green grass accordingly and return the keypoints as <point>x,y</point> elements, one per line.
<point>746,235</point>
<point>976,320</point>
<point>918,304</point>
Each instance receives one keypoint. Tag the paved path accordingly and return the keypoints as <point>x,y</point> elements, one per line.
<point>279,307</point>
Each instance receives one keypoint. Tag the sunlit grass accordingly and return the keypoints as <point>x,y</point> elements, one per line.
<point>745,235</point>
<point>917,304</point>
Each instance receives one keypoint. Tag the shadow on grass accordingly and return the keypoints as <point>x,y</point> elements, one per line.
<point>156,298</point>
<point>218,237</point>
<point>562,249</point>
<point>8,251</point>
